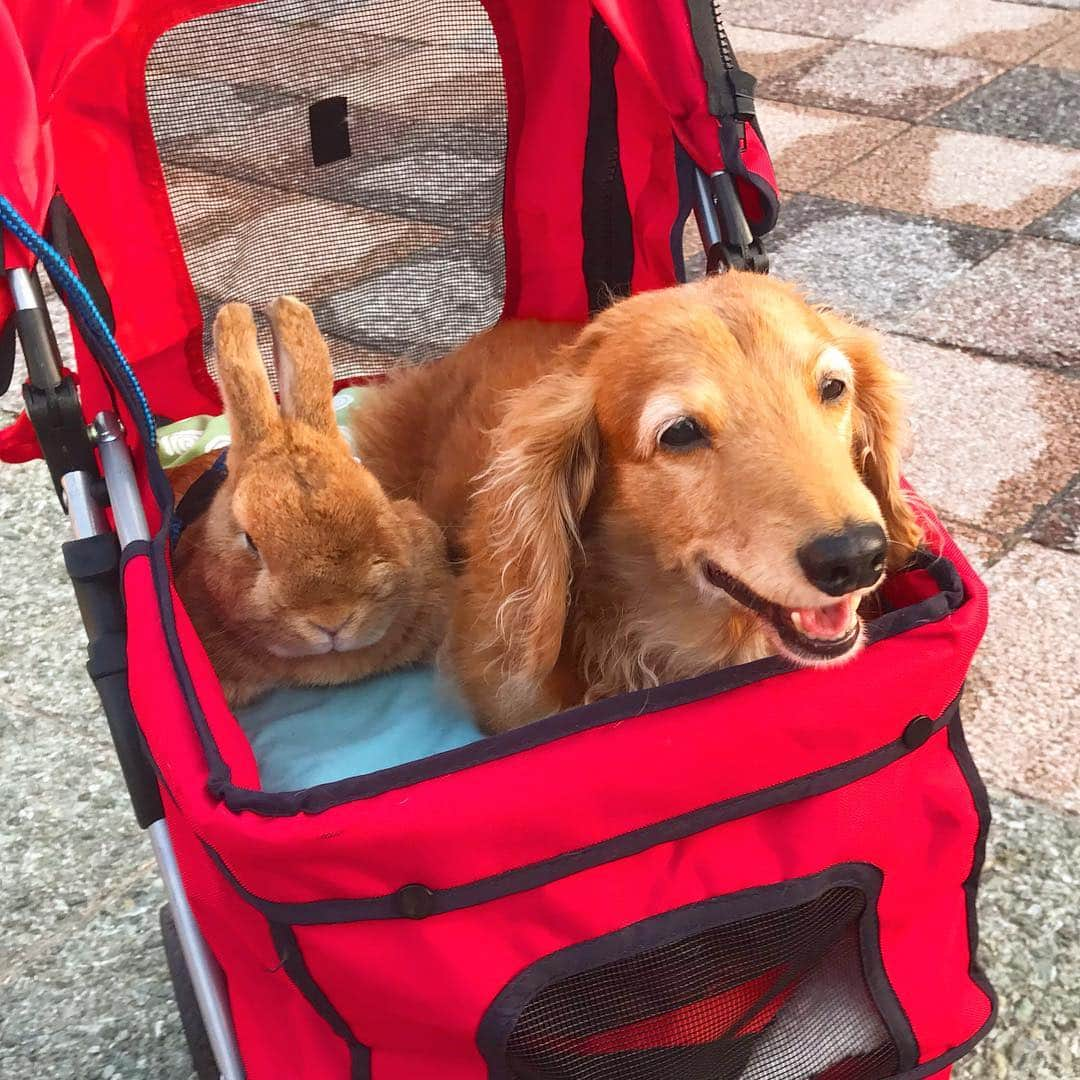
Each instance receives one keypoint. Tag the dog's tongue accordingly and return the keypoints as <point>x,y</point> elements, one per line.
<point>831,621</point>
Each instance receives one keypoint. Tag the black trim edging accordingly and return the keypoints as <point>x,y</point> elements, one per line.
<point>684,177</point>
<point>727,83</point>
<point>315,800</point>
<point>959,748</point>
<point>292,962</point>
<point>220,775</point>
<point>7,352</point>
<point>730,139</point>
<point>545,871</point>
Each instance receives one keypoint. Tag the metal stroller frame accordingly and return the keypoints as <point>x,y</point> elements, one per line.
<point>92,558</point>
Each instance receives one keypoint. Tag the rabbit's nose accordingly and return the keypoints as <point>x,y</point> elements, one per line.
<point>331,631</point>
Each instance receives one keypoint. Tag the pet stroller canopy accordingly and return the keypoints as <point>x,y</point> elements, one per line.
<point>415,169</point>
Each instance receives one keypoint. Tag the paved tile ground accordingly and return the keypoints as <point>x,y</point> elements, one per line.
<point>888,81</point>
<point>1061,223</point>
<point>954,229</point>
<point>928,155</point>
<point>1039,104</point>
<point>960,176</point>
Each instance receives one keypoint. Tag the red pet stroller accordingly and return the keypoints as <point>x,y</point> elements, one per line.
<point>764,872</point>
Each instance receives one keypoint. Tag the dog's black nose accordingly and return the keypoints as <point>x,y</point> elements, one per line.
<point>842,562</point>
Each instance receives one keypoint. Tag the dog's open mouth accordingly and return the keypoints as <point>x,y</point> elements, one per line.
<point>809,635</point>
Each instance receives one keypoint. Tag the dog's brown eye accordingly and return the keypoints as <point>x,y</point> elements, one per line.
<point>684,434</point>
<point>832,389</point>
<point>251,544</point>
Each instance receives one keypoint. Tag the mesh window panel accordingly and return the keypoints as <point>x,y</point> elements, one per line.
<point>780,996</point>
<point>349,153</point>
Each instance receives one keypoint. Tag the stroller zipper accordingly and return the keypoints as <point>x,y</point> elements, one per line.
<point>608,258</point>
<point>726,235</point>
<point>731,90</point>
<point>727,54</point>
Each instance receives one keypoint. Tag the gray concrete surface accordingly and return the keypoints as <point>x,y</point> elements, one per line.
<point>84,991</point>
<point>911,222</point>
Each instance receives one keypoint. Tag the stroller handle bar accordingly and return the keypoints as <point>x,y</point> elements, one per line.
<point>92,558</point>
<point>726,235</point>
<point>88,523</point>
<point>120,482</point>
<point>35,330</point>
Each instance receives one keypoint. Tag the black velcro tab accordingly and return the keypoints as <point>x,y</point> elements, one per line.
<point>91,557</point>
<point>329,123</point>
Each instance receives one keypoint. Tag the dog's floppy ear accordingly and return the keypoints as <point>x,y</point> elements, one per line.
<point>879,433</point>
<point>529,504</point>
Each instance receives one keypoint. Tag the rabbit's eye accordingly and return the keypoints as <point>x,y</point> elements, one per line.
<point>380,578</point>
<point>250,544</point>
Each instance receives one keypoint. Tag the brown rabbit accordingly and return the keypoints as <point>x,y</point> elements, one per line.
<point>302,571</point>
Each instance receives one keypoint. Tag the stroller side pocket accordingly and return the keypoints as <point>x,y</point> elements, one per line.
<point>785,980</point>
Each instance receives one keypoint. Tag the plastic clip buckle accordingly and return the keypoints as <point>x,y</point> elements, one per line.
<point>51,398</point>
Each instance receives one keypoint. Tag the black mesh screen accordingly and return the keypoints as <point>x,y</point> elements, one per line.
<point>780,996</point>
<point>350,152</point>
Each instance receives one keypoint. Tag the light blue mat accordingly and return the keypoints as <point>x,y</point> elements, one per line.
<point>304,737</point>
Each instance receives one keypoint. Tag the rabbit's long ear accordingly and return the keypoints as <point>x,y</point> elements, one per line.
<point>249,400</point>
<point>302,360</point>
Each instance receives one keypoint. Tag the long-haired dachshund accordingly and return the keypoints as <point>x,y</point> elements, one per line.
<point>702,476</point>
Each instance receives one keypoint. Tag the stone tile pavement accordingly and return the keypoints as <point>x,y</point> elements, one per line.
<point>928,154</point>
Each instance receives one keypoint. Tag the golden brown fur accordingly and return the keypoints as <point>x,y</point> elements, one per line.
<point>302,571</point>
<point>585,539</point>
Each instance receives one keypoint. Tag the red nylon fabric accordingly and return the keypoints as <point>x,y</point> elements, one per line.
<point>414,992</point>
<point>74,92</point>
<point>26,171</point>
<point>272,1018</point>
<point>652,191</point>
<point>657,39</point>
<point>26,165</point>
<point>545,52</point>
<point>363,858</point>
<point>421,1016</point>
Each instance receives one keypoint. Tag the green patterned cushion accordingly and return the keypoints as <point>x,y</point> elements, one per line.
<point>188,439</point>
